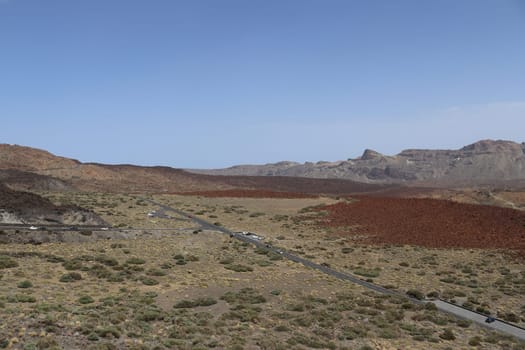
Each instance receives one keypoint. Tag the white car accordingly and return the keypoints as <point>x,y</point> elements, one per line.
<point>105,228</point>
<point>33,228</point>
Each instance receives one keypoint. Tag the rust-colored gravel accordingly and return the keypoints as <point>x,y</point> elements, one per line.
<point>248,194</point>
<point>430,223</point>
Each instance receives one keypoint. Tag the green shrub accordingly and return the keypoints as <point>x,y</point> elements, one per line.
<point>108,332</point>
<point>21,298</point>
<point>25,284</point>
<point>106,260</point>
<point>463,323</point>
<point>85,299</point>
<point>244,296</point>
<point>135,261</point>
<point>238,268</point>
<point>367,272</point>
<point>149,281</point>
<point>474,341</point>
<point>186,304</point>
<point>447,334</point>
<point>282,328</point>
<point>156,272</point>
<point>70,277</point>
<point>6,262</point>
<point>414,293</point>
<point>72,264</point>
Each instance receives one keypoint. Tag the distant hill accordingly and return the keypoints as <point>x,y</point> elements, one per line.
<point>486,162</point>
<point>28,168</point>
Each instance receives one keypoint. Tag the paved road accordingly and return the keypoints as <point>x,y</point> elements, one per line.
<point>498,325</point>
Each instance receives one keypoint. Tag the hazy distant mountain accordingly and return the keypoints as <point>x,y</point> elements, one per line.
<point>483,162</point>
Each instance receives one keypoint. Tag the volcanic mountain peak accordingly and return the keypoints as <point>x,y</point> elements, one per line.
<point>370,154</point>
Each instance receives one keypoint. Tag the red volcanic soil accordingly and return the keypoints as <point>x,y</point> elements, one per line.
<point>248,194</point>
<point>430,223</point>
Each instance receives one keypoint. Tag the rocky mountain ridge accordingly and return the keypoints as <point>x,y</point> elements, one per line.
<point>484,162</point>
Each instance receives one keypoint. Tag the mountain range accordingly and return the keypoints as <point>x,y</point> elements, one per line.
<point>485,162</point>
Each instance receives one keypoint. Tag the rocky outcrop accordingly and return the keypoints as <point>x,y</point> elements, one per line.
<point>17,207</point>
<point>484,162</point>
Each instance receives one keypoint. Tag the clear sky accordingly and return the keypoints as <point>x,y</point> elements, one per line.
<point>213,83</point>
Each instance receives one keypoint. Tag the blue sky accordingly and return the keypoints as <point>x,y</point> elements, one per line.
<point>213,83</point>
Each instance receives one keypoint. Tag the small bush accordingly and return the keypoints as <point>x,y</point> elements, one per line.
<point>367,272</point>
<point>25,284</point>
<point>135,261</point>
<point>474,341</point>
<point>21,298</point>
<point>85,299</point>
<point>6,262</point>
<point>70,277</point>
<point>187,304</point>
<point>414,293</point>
<point>239,268</point>
<point>149,281</point>
<point>71,265</point>
<point>447,334</point>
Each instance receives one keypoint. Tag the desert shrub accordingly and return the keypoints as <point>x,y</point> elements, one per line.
<point>149,314</point>
<point>474,341</point>
<point>21,298</point>
<point>47,343</point>
<point>25,284</point>
<point>149,281</point>
<point>106,260</point>
<point>156,272</point>
<point>6,262</point>
<point>186,304</point>
<point>367,272</point>
<point>238,268</point>
<point>414,293</point>
<point>70,277</point>
<point>243,313</point>
<point>433,294</point>
<point>108,332</point>
<point>100,271</point>
<point>463,323</point>
<point>71,265</point>
<point>166,265</point>
<point>447,334</point>
<point>135,261</point>
<point>226,261</point>
<point>85,299</point>
<point>281,328</point>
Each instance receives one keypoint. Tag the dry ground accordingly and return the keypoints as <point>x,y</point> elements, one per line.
<point>486,280</point>
<point>191,289</point>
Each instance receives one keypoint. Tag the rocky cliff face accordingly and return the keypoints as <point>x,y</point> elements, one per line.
<point>483,162</point>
